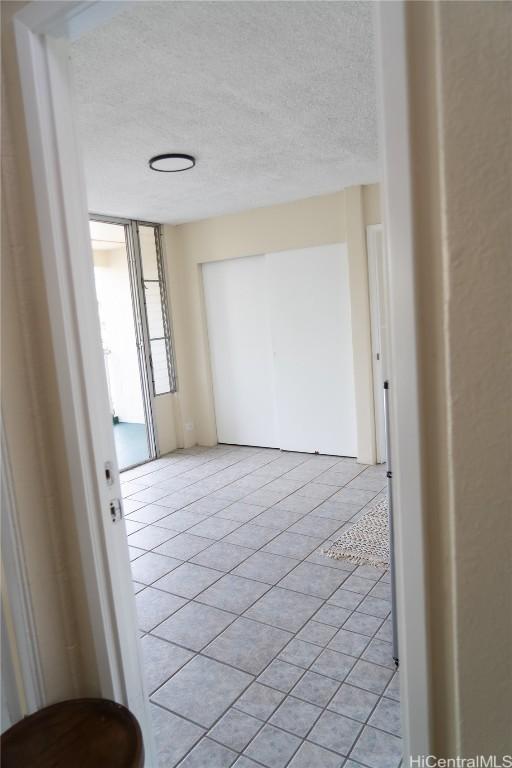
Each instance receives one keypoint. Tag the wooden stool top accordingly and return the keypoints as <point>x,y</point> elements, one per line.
<point>82,733</point>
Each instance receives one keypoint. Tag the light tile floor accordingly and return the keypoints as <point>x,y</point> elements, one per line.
<point>259,650</point>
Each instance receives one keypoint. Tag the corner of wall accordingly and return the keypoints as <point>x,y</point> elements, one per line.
<point>361,324</point>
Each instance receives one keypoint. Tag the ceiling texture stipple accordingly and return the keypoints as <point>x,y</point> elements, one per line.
<point>276,100</point>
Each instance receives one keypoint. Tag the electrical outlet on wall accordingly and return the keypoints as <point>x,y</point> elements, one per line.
<point>189,426</point>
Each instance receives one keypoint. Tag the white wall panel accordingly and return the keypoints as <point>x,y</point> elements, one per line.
<point>241,350</point>
<point>312,339</point>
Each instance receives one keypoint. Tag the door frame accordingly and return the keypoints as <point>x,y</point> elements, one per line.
<point>376,290</point>
<point>42,33</point>
<point>43,30</point>
<point>134,263</point>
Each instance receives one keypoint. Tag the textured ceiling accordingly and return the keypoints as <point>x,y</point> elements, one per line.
<point>275,99</point>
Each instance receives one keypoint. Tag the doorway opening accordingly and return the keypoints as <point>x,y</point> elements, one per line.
<point>97,584</point>
<point>135,331</point>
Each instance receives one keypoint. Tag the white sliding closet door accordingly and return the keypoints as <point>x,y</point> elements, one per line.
<point>313,357</point>
<point>238,318</point>
<point>280,339</point>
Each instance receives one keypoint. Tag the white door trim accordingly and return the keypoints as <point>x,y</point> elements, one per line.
<point>403,376</point>
<point>62,215</point>
<point>61,206</point>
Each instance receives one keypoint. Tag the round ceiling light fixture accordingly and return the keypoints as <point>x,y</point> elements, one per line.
<point>172,162</point>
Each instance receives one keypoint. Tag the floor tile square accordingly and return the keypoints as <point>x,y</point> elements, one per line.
<point>194,625</point>
<point>235,730</point>
<point>233,593</point>
<point>222,556</point>
<point>312,756</point>
<point>313,579</point>
<point>358,585</point>
<point>380,652</point>
<point>295,503</point>
<point>184,545</point>
<point>150,513</point>
<point>296,716</point>
<point>181,521</point>
<point>317,633</point>
<point>371,572</point>
<point>245,762</point>
<point>318,491</point>
<point>174,736</point>
<point>273,747</point>
<point>207,506</point>
<point>240,512</point>
<point>343,598</point>
<point>150,566</point>
<point>333,664</point>
<point>188,580</point>
<point>209,754</point>
<point>335,732</point>
<point>262,566</point>
<point>153,606</point>
<point>292,545</point>
<point>387,717</point>
<point>362,623</point>
<point>202,690</point>
<point>332,615</point>
<point>278,519</point>
<point>381,590</point>
<point>349,642</point>
<point>355,496</point>
<point>252,536</point>
<point>375,607</point>
<point>378,749</point>
<point>149,537</point>
<point>280,675</point>
<point>259,700</point>
<point>147,495</point>
<point>311,525</point>
<point>215,527</point>
<point>353,702</point>
<point>300,653</point>
<point>160,661</point>
<point>317,689</point>
<point>337,510</point>
<point>284,609</point>
<point>370,676</point>
<point>248,645</point>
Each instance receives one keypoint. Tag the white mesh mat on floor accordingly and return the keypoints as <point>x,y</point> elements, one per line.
<point>367,541</point>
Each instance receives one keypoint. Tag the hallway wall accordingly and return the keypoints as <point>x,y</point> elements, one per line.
<point>460,68</point>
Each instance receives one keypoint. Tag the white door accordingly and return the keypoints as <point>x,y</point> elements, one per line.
<point>238,318</point>
<point>281,350</point>
<point>313,360</point>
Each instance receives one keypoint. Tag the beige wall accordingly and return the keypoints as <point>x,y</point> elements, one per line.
<point>460,65</point>
<point>340,217</point>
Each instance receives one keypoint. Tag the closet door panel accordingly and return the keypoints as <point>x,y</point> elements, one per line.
<point>312,342</point>
<point>241,357</point>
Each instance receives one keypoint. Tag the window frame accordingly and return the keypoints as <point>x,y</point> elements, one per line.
<point>165,307</point>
